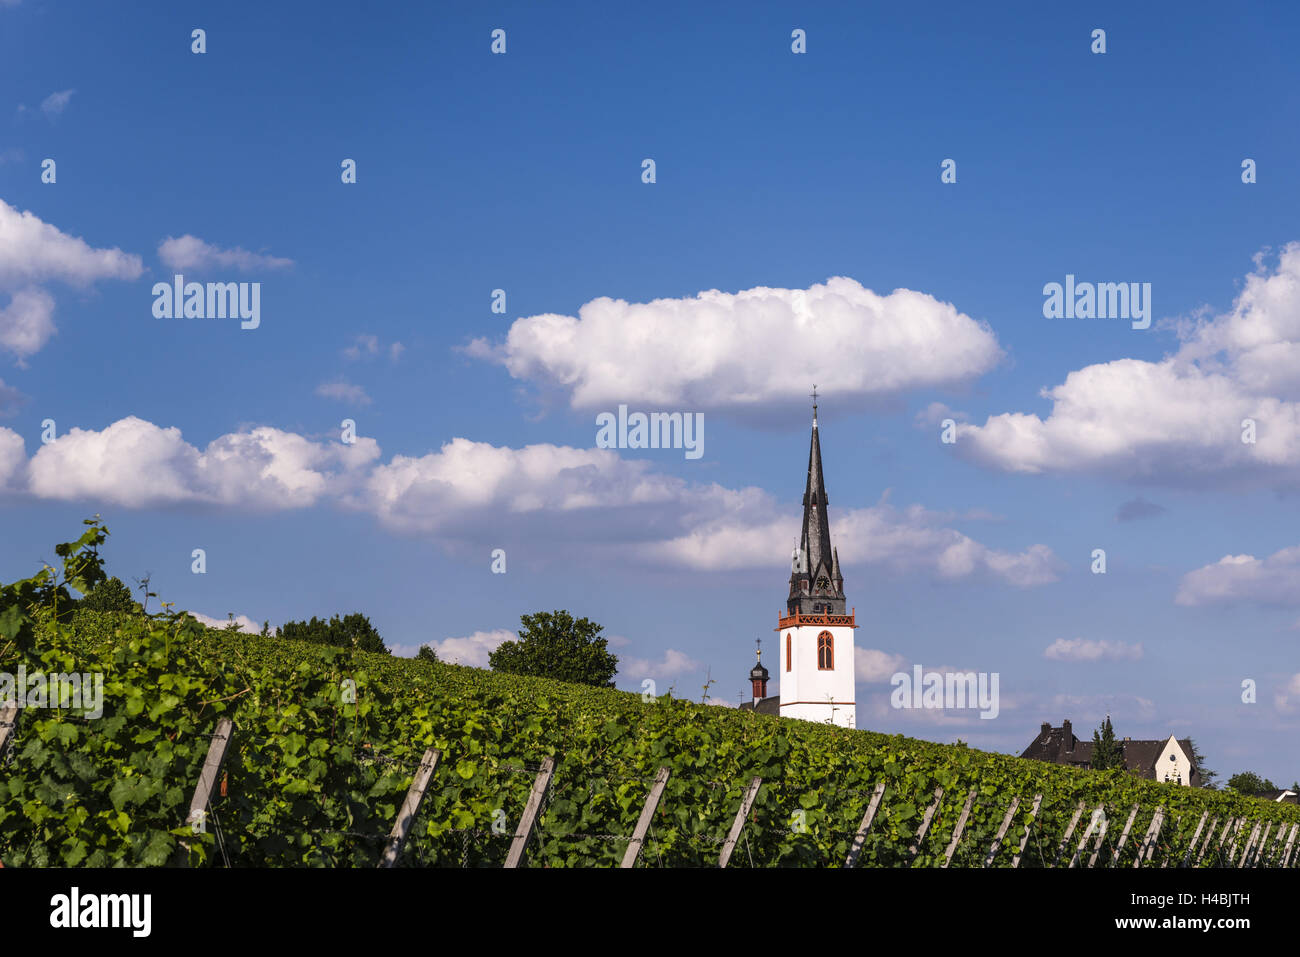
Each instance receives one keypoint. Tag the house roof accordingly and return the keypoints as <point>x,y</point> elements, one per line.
<point>770,706</point>
<point>1062,746</point>
<point>1283,795</point>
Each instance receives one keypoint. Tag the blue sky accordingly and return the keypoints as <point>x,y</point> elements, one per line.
<point>774,170</point>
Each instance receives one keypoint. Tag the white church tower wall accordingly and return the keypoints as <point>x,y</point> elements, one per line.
<point>815,635</point>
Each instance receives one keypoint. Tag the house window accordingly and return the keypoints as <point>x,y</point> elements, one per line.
<point>787,652</point>
<point>825,652</point>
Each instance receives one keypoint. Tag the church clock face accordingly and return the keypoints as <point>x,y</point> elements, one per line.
<point>823,583</point>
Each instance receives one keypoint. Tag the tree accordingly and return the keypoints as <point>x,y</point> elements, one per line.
<point>110,595</point>
<point>351,631</point>
<point>426,653</point>
<point>1207,776</point>
<point>1248,782</point>
<point>554,645</point>
<point>1107,753</point>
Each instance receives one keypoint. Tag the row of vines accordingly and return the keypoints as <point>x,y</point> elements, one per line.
<point>327,741</point>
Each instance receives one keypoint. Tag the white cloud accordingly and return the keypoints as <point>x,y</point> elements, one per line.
<point>1084,649</point>
<point>27,323</point>
<point>13,460</point>
<point>10,399</point>
<point>906,539</point>
<point>757,347</point>
<point>368,346</point>
<point>56,103</point>
<point>467,486</point>
<point>1091,709</point>
<point>33,252</point>
<point>190,252</point>
<point>670,665</point>
<point>936,412</point>
<point>472,650</point>
<point>1288,699</point>
<point>246,624</point>
<point>876,667</point>
<point>343,391</point>
<point>135,463</point>
<point>1274,580</point>
<point>1178,421</point>
<point>475,492</point>
<point>467,479</point>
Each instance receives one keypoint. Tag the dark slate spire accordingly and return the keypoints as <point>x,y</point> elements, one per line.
<point>816,563</point>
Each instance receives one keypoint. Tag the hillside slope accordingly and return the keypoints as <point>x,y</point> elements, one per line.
<point>326,743</point>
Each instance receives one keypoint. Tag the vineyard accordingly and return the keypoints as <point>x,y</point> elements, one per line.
<point>326,743</point>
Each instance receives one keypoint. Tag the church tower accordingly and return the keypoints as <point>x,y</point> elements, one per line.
<point>816,635</point>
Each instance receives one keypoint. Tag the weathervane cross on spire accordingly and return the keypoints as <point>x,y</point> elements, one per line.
<point>814,398</point>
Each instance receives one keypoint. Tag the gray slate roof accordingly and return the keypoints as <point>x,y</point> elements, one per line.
<point>1062,746</point>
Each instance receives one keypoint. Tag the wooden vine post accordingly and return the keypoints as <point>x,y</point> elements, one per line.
<point>1236,836</point>
<point>1101,840</point>
<point>729,845</point>
<point>406,816</point>
<point>1002,830</point>
<point>961,825</point>
<point>1148,842</point>
<point>1033,813</point>
<point>207,781</point>
<point>8,724</point>
<point>1119,848</point>
<point>534,806</point>
<point>1191,847</point>
<point>647,815</point>
<point>1250,843</point>
<point>1074,822</point>
<point>860,838</point>
<point>1286,854</point>
<point>925,825</point>
<point>1097,817</point>
<point>1261,851</point>
<point>1205,845</point>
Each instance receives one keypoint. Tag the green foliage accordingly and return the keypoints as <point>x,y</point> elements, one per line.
<point>1107,753</point>
<point>45,596</point>
<point>426,653</point>
<point>1207,776</point>
<point>327,740</point>
<point>352,631</point>
<point>110,595</point>
<point>555,645</point>
<point>1248,782</point>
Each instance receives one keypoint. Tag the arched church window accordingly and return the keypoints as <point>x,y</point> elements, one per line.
<point>787,651</point>
<point>826,651</point>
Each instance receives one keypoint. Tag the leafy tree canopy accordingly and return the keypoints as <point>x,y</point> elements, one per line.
<point>1107,753</point>
<point>1207,776</point>
<point>350,631</point>
<point>555,645</point>
<point>1248,782</point>
<point>426,654</point>
<point>110,595</point>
